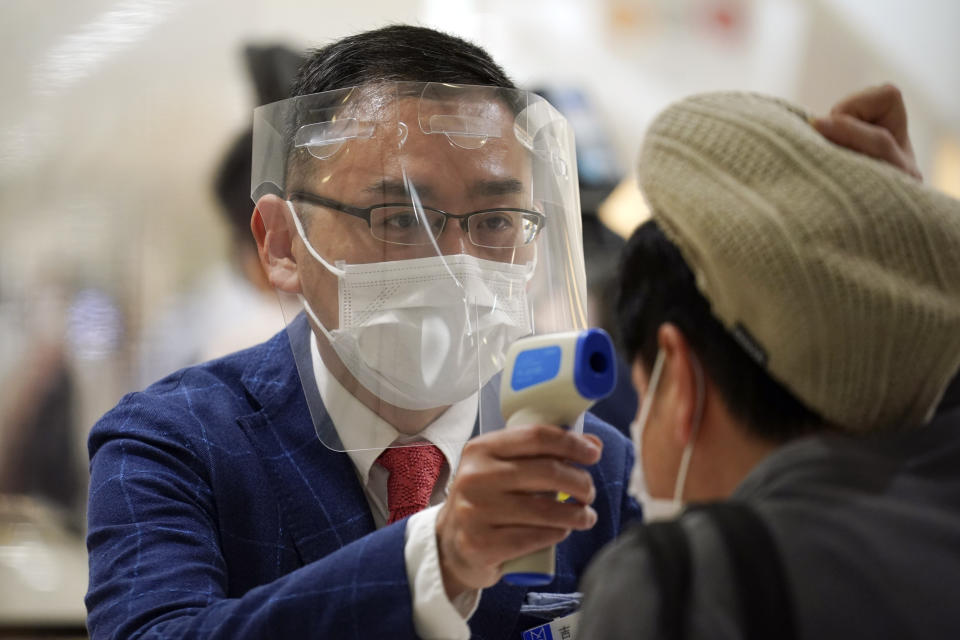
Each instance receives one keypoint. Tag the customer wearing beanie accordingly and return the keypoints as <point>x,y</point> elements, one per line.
<point>792,313</point>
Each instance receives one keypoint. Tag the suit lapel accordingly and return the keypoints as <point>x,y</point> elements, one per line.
<point>318,494</point>
<point>320,500</point>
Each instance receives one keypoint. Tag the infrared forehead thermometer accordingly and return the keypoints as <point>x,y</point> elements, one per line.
<point>552,379</point>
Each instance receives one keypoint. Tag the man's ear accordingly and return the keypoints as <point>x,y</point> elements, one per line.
<point>271,229</point>
<point>679,382</point>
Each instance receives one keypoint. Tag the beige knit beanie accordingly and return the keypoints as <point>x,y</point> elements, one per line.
<point>837,272</point>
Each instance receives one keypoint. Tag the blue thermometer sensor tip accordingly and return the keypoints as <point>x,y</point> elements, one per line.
<point>595,370</point>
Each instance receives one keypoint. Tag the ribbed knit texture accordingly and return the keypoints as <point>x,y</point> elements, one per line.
<point>842,269</point>
<point>413,471</point>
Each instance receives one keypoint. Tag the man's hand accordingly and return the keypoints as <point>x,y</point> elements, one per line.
<point>873,122</point>
<point>502,502</point>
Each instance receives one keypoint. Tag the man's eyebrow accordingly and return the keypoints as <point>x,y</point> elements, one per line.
<point>395,188</point>
<point>506,186</point>
<point>479,189</point>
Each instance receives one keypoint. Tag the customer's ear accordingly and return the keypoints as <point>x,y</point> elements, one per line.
<point>270,224</point>
<point>679,382</point>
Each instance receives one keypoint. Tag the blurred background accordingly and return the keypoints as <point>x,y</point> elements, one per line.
<point>121,152</point>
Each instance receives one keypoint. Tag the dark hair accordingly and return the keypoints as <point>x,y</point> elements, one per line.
<point>232,186</point>
<point>657,286</point>
<point>397,53</point>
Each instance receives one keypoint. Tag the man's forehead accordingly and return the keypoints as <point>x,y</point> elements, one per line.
<point>384,103</point>
<point>429,180</point>
<point>463,138</point>
<point>408,137</point>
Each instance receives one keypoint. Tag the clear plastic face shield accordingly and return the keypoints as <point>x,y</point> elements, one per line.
<point>414,231</point>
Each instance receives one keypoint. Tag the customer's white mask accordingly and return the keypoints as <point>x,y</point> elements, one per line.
<point>425,332</point>
<point>658,509</point>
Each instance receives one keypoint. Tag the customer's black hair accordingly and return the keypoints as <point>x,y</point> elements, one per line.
<point>397,53</point>
<point>657,286</point>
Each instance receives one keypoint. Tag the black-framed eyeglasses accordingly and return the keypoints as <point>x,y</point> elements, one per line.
<point>399,222</point>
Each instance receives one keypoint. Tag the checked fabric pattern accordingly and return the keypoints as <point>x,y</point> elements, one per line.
<point>413,472</point>
<point>218,471</point>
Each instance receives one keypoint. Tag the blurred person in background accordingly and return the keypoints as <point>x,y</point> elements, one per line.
<point>39,433</point>
<point>38,405</point>
<point>43,561</point>
<point>258,319</point>
<point>792,315</point>
<point>272,70</point>
<point>232,306</point>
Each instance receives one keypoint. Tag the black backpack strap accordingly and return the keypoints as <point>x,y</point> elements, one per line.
<point>669,554</point>
<point>766,609</point>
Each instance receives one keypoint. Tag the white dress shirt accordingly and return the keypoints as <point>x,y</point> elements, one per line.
<point>434,615</point>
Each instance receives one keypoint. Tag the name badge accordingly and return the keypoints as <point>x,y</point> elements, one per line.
<point>564,628</point>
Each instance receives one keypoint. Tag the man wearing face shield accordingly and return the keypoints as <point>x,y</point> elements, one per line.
<point>792,312</point>
<point>416,214</point>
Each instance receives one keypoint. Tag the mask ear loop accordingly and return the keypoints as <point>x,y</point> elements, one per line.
<point>316,255</point>
<point>313,316</point>
<point>697,415</point>
<point>310,249</point>
<point>647,403</point>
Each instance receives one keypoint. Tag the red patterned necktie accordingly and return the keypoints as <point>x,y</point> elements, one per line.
<point>413,471</point>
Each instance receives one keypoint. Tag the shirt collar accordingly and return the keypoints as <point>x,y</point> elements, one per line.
<point>365,435</point>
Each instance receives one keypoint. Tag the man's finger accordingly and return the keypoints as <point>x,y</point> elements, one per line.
<point>541,511</point>
<point>596,439</point>
<point>531,475</point>
<point>537,440</point>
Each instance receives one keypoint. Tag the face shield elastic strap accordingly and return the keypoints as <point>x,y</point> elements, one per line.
<point>316,255</point>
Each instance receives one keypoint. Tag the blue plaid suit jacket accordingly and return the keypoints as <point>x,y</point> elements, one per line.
<point>216,512</point>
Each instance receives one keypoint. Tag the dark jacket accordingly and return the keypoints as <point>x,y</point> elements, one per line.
<point>868,531</point>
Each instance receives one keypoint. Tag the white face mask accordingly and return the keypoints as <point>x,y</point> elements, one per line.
<point>658,509</point>
<point>425,332</point>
